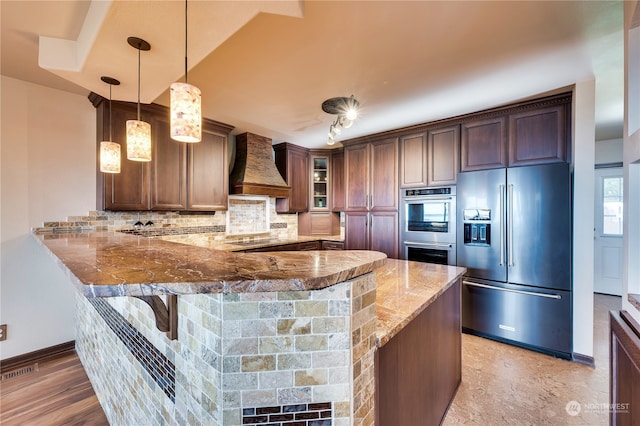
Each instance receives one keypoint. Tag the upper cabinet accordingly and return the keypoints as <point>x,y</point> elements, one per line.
<point>371,175</point>
<point>180,177</point>
<point>208,163</point>
<point>483,144</point>
<point>292,162</point>
<point>413,160</point>
<point>538,136</point>
<point>443,156</point>
<point>336,182</point>
<point>535,132</point>
<point>430,158</point>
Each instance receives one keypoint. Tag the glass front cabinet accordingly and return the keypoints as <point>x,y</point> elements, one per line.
<point>320,183</point>
<point>319,220</point>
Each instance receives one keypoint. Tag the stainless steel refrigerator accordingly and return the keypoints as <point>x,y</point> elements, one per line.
<point>514,238</point>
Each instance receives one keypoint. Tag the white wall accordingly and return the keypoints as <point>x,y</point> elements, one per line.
<point>583,215</point>
<point>47,152</point>
<point>609,151</point>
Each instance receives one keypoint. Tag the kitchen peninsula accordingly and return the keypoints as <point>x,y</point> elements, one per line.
<point>260,338</point>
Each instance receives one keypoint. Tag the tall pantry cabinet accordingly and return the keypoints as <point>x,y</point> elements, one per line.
<point>371,196</point>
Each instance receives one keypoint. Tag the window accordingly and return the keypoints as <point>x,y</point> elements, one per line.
<point>612,205</point>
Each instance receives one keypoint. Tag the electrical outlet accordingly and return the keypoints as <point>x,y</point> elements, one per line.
<point>3,332</point>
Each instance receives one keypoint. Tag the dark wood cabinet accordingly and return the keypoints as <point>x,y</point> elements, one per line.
<point>179,177</point>
<point>371,172</point>
<point>332,245</point>
<point>168,169</point>
<point>443,156</point>
<point>418,371</point>
<point>535,132</point>
<point>315,223</point>
<point>292,162</point>
<point>371,214</point>
<point>129,189</point>
<point>337,182</point>
<point>357,235</point>
<point>209,162</point>
<point>483,144</point>
<point>413,160</point>
<point>384,175</point>
<point>319,220</point>
<point>430,158</point>
<point>356,164</point>
<point>538,136</point>
<point>384,232</point>
<point>310,245</point>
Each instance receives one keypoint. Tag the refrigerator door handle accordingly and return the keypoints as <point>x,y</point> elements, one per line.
<point>528,293</point>
<point>510,225</point>
<point>502,224</point>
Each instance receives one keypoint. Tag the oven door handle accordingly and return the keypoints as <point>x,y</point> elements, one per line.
<point>423,198</point>
<point>413,243</point>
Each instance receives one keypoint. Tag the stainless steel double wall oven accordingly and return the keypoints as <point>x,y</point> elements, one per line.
<point>428,225</point>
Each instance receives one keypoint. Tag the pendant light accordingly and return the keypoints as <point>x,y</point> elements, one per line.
<point>186,103</point>
<point>138,132</point>
<point>109,150</point>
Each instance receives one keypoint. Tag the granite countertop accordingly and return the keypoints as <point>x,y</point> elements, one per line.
<point>404,289</point>
<point>261,243</point>
<point>104,264</point>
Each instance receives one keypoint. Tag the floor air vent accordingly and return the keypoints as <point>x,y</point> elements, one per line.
<point>19,372</point>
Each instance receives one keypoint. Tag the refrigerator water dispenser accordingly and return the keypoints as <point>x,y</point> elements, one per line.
<point>477,234</point>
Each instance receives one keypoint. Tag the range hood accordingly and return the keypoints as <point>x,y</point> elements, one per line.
<point>254,171</point>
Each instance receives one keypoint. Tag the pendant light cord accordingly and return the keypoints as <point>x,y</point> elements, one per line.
<point>110,126</point>
<point>139,46</point>
<point>186,80</point>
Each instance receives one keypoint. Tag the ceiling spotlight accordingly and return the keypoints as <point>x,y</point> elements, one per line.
<point>346,110</point>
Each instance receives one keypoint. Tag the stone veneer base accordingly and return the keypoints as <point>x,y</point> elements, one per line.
<point>309,353</point>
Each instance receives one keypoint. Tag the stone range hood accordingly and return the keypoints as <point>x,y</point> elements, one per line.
<point>254,171</point>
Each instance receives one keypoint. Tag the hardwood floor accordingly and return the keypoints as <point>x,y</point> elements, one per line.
<point>501,385</point>
<point>58,393</point>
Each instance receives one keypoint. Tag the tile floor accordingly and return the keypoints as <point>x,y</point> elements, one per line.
<point>506,385</point>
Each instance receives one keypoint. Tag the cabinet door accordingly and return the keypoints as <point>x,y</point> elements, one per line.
<point>292,162</point>
<point>356,164</point>
<point>484,144</point>
<point>208,171</point>
<point>384,175</point>
<point>129,189</point>
<point>319,187</point>
<point>337,181</point>
<point>356,231</point>
<point>384,233</point>
<point>413,160</point>
<point>443,156</point>
<point>538,136</point>
<point>168,169</point>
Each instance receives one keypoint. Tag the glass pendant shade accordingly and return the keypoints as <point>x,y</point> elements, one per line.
<point>186,113</point>
<point>109,157</point>
<point>138,140</point>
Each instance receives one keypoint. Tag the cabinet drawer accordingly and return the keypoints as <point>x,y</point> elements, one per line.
<point>311,245</point>
<point>332,245</point>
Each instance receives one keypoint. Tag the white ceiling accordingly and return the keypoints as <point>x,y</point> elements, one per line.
<point>266,66</point>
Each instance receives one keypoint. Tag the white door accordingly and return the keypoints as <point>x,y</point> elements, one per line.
<point>608,231</point>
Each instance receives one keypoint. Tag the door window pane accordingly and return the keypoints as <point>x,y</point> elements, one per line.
<point>612,205</point>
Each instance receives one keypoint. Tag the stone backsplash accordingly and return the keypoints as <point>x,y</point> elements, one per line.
<point>243,217</point>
